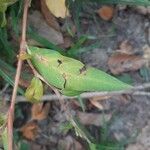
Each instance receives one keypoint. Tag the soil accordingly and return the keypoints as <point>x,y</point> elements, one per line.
<point>132,117</point>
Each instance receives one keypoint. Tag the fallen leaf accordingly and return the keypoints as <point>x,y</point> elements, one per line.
<point>93,118</point>
<point>120,62</point>
<point>106,12</point>
<point>58,8</point>
<point>96,101</point>
<point>49,17</point>
<point>70,144</point>
<point>40,111</point>
<point>125,47</point>
<point>30,130</point>
<point>35,146</point>
<point>74,104</point>
<point>38,23</point>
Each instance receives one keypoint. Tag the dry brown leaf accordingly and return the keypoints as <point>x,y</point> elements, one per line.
<point>120,62</point>
<point>35,146</point>
<point>93,118</point>
<point>58,8</point>
<point>30,130</point>
<point>126,47</point>
<point>40,112</point>
<point>70,144</point>
<point>37,21</point>
<point>96,101</point>
<point>106,12</point>
<point>74,104</point>
<point>49,17</point>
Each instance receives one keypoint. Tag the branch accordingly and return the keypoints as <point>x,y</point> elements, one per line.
<point>53,97</point>
<point>17,77</point>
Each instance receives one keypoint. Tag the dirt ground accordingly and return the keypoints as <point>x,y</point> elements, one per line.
<point>133,115</point>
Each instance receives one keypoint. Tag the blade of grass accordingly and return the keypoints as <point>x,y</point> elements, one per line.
<point>7,48</point>
<point>124,2</point>
<point>15,14</point>
<point>82,104</point>
<point>81,131</point>
<point>76,52</point>
<point>9,79</point>
<point>7,72</point>
<point>5,139</point>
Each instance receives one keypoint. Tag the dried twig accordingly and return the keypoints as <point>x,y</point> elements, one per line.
<point>18,72</point>
<point>91,94</point>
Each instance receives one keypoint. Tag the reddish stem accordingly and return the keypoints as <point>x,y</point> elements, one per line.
<point>17,77</point>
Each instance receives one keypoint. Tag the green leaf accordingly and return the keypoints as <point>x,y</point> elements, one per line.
<point>2,119</point>
<point>34,92</point>
<point>71,76</point>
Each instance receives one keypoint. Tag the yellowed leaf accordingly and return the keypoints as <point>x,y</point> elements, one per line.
<point>58,8</point>
<point>49,17</point>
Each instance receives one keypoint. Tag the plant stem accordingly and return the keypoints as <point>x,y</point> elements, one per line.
<point>17,77</point>
<point>137,90</point>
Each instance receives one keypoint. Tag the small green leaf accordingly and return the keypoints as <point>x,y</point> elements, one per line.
<point>3,7</point>
<point>34,92</point>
